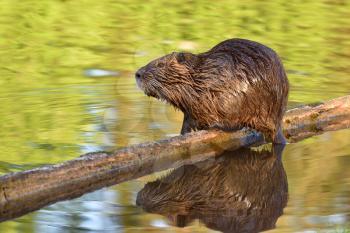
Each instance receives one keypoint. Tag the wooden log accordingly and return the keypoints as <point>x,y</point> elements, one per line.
<point>311,120</point>
<point>23,192</point>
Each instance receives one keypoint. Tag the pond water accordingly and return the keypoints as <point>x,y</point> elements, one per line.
<point>57,103</point>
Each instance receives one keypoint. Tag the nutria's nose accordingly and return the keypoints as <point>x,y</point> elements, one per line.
<point>139,73</point>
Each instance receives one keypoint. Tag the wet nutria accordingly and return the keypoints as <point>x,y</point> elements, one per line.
<point>238,83</point>
<point>216,192</point>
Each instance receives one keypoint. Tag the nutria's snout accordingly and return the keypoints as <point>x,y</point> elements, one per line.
<point>139,76</point>
<point>140,73</point>
<point>145,80</point>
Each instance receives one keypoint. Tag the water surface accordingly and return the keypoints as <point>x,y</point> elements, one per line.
<point>54,110</point>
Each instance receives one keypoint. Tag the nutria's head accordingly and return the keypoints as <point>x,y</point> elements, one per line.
<point>168,78</point>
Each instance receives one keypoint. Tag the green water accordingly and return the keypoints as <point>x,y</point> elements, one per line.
<point>51,111</point>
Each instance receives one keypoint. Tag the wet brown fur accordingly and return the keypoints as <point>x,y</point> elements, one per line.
<point>238,83</point>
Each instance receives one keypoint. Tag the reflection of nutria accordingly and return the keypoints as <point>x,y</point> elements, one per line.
<point>238,83</point>
<point>243,191</point>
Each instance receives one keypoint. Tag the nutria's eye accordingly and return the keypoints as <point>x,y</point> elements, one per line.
<point>160,65</point>
<point>181,58</point>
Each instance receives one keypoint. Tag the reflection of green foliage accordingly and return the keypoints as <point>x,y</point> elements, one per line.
<point>48,107</point>
<point>340,229</point>
<point>55,36</point>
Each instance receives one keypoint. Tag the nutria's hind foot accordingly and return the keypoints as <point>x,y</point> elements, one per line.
<point>279,138</point>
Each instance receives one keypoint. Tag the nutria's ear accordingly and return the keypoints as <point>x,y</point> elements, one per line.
<point>187,58</point>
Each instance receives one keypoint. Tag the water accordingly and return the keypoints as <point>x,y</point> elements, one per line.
<point>54,110</point>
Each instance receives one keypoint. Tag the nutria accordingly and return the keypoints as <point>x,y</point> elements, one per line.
<point>238,83</point>
<point>216,192</point>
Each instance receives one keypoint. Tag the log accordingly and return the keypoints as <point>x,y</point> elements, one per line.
<point>311,120</point>
<point>26,191</point>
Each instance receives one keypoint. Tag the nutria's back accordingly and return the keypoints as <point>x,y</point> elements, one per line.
<point>235,84</point>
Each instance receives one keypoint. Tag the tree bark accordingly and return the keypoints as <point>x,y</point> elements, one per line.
<point>23,192</point>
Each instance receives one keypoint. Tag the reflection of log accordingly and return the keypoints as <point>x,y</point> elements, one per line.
<point>216,192</point>
<point>23,192</point>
